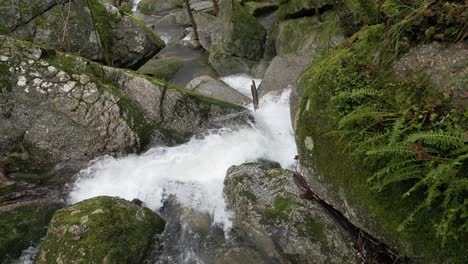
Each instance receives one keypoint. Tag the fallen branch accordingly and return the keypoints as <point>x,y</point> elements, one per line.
<point>253,89</point>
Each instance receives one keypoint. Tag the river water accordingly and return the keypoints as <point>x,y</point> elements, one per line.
<point>194,172</point>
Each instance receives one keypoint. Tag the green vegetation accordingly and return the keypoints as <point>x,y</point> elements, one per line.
<point>102,230</point>
<point>22,227</point>
<point>280,212</point>
<point>395,145</point>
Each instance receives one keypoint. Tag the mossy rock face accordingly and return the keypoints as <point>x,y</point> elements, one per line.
<point>93,29</point>
<point>23,226</point>
<point>152,7</point>
<point>332,168</point>
<point>164,68</point>
<point>267,207</point>
<point>100,230</point>
<point>308,35</point>
<point>240,37</point>
<point>297,8</point>
<point>260,8</point>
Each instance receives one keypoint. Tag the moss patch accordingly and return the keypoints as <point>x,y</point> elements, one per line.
<point>102,229</point>
<point>353,75</point>
<point>22,227</point>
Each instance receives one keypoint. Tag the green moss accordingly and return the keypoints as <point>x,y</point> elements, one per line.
<point>260,8</point>
<point>154,37</point>
<point>102,22</point>
<point>22,227</point>
<point>147,7</point>
<point>249,195</point>
<point>102,229</point>
<point>294,8</point>
<point>163,69</point>
<point>283,206</point>
<point>361,64</point>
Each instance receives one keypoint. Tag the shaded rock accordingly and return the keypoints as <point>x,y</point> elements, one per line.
<point>308,35</point>
<point>23,225</point>
<point>298,8</point>
<point>103,230</point>
<point>238,43</point>
<point>269,211</point>
<point>444,65</point>
<point>283,72</point>
<point>207,25</point>
<point>260,8</point>
<point>92,29</point>
<point>161,68</point>
<point>217,89</point>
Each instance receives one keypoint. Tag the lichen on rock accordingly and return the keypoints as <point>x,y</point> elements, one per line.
<point>102,230</point>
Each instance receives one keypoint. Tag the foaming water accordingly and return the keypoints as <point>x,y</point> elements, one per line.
<point>194,172</point>
<point>135,5</point>
<point>241,82</point>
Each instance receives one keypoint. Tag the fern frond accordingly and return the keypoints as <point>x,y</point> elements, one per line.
<point>403,174</point>
<point>363,115</point>
<point>440,139</point>
<point>391,167</point>
<point>399,149</point>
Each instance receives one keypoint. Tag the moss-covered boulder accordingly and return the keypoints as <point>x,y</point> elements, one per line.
<point>362,126</point>
<point>161,68</point>
<point>92,29</point>
<point>100,230</point>
<point>239,42</point>
<point>153,7</point>
<point>268,210</point>
<point>23,225</point>
<point>63,108</point>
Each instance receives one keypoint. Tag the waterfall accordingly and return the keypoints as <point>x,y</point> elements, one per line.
<point>194,172</point>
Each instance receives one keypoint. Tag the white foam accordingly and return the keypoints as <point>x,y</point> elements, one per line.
<point>241,82</point>
<point>194,171</point>
<point>135,5</point>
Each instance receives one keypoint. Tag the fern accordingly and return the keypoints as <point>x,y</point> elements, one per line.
<point>389,150</point>
<point>440,139</point>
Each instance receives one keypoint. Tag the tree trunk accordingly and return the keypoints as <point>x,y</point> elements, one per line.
<point>253,89</point>
<point>194,24</point>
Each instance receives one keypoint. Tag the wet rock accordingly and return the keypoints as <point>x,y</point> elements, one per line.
<point>206,25</point>
<point>23,224</point>
<point>192,236</point>
<point>267,209</point>
<point>102,229</point>
<point>239,42</point>
<point>94,30</point>
<point>217,89</point>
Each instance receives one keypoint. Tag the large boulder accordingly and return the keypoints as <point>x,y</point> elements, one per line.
<point>297,43</point>
<point>362,186</point>
<point>267,209</point>
<point>238,43</point>
<point>61,108</point>
<point>92,29</point>
<point>217,89</point>
<point>101,230</point>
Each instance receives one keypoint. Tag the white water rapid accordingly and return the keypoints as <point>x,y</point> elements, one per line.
<point>194,172</point>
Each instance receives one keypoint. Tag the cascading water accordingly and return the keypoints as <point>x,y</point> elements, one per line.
<point>194,172</point>
<point>135,5</point>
